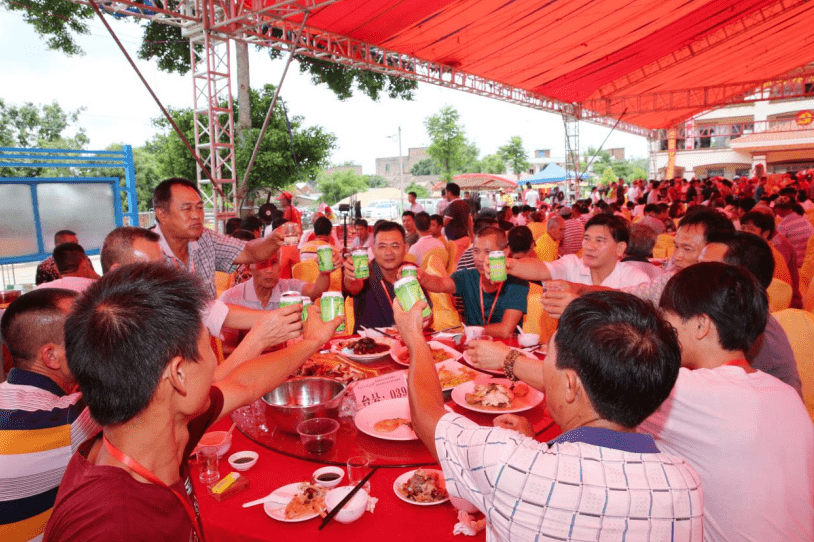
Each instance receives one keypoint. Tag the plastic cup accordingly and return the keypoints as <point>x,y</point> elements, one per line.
<point>208,461</point>
<point>473,333</point>
<point>358,467</point>
<point>318,435</point>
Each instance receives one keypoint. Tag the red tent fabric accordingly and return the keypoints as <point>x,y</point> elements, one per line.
<point>609,55</point>
<point>479,181</point>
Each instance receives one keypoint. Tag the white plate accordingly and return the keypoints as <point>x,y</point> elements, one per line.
<point>455,367</point>
<point>527,402</point>
<point>384,410</point>
<point>403,480</point>
<point>275,509</point>
<point>367,357</point>
<point>500,372</point>
<point>398,348</point>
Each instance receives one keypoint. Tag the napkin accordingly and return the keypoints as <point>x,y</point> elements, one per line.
<point>467,525</point>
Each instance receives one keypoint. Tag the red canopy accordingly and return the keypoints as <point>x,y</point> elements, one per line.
<point>479,181</point>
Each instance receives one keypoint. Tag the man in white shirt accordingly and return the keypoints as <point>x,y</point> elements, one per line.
<point>361,238</point>
<point>597,481</point>
<point>746,433</point>
<point>604,243</point>
<point>533,197</point>
<point>75,270</point>
<point>414,207</point>
<point>426,241</point>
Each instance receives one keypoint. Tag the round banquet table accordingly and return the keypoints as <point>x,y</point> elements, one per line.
<point>281,464</point>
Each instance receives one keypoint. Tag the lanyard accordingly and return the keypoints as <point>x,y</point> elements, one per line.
<point>149,476</point>
<point>386,292</point>
<point>494,303</point>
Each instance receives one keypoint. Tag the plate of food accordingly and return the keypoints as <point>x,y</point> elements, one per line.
<point>364,349</point>
<point>451,374</point>
<point>295,502</point>
<point>440,352</point>
<point>424,487</point>
<point>333,366</point>
<point>389,420</point>
<point>468,360</point>
<point>496,396</point>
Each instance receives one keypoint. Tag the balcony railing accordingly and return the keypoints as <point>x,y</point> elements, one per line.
<point>719,135</point>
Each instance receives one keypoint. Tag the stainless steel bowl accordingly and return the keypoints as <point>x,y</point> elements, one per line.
<point>301,399</point>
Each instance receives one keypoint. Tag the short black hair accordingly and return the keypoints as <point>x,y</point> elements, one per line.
<point>232,225</point>
<point>59,237</point>
<point>454,189</point>
<point>520,239</point>
<point>387,225</point>
<point>408,213</point>
<point>621,348</point>
<point>499,235</point>
<point>746,203</point>
<point>251,223</point>
<point>322,226</point>
<point>243,235</point>
<point>641,241</point>
<point>125,329</point>
<point>422,221</point>
<point>484,222</point>
<point>651,208</point>
<point>277,222</point>
<point>68,257</point>
<point>361,223</point>
<point>118,245</point>
<point>710,220</point>
<point>730,296</point>
<point>412,194</point>
<point>162,195</point>
<point>618,226</point>
<point>438,219</point>
<point>764,221</point>
<point>33,320</point>
<point>749,251</point>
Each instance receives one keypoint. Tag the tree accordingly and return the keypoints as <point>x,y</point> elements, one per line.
<point>469,158</point>
<point>30,125</point>
<point>375,181</point>
<point>419,190</point>
<point>427,166</point>
<point>513,154</point>
<point>448,145</point>
<point>339,185</point>
<point>494,164</point>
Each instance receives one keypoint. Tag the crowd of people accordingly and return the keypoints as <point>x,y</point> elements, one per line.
<point>677,392</point>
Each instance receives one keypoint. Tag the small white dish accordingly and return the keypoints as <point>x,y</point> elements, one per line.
<point>243,460</point>
<point>326,472</point>
<point>222,440</point>
<point>351,511</point>
<point>528,339</point>
<point>401,480</point>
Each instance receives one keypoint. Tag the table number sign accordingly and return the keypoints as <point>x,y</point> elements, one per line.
<point>381,388</point>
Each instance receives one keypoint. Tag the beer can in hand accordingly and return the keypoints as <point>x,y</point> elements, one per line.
<point>305,302</point>
<point>332,304</point>
<point>409,291</point>
<point>291,297</point>
<point>497,266</point>
<point>409,270</point>
<point>361,264</point>
<point>325,258</point>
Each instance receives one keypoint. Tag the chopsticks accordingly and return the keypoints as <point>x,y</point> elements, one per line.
<point>385,333</point>
<point>347,499</point>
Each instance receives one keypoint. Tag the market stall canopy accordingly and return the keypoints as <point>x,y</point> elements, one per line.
<point>480,181</point>
<point>369,196</point>
<point>552,174</point>
<point>656,63</point>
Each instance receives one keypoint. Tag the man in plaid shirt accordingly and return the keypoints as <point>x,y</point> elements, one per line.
<point>599,480</point>
<point>179,213</point>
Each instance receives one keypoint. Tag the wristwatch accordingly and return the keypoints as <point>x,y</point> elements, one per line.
<point>508,364</point>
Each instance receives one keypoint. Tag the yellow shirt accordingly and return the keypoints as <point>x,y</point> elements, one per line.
<point>537,229</point>
<point>546,248</point>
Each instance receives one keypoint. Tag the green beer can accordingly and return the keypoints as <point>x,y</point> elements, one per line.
<point>408,270</point>
<point>332,304</point>
<point>291,297</point>
<point>305,302</point>
<point>325,258</point>
<point>409,291</point>
<point>361,264</point>
<point>497,266</point>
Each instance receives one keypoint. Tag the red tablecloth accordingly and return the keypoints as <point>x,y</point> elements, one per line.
<point>393,520</point>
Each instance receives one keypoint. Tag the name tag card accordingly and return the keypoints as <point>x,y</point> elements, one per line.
<point>381,388</point>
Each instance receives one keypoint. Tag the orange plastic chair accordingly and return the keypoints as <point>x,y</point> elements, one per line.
<point>306,271</point>
<point>222,282</point>
<point>336,280</point>
<point>781,268</point>
<point>452,248</point>
<point>780,293</point>
<point>409,258</point>
<point>799,328</point>
<point>217,347</point>
<point>443,308</point>
<point>350,319</point>
<point>438,253</point>
<point>665,246</point>
<point>807,265</point>
<point>537,320</point>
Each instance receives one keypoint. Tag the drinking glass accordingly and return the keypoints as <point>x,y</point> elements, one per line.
<point>259,416</point>
<point>208,461</point>
<point>358,467</point>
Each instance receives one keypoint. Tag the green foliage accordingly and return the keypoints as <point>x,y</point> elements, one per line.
<point>493,163</point>
<point>34,126</point>
<point>427,166</point>
<point>449,144</point>
<point>55,20</point>
<point>626,169</point>
<point>608,176</point>
<point>513,154</point>
<point>375,181</point>
<point>166,44</point>
<point>339,185</point>
<point>419,190</point>
<point>469,158</point>
<point>342,80</point>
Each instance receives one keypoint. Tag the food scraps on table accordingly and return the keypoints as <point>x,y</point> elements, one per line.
<point>363,347</point>
<point>330,366</point>
<point>438,355</point>
<point>450,379</point>
<point>309,501</point>
<point>391,424</point>
<point>424,486</point>
<point>496,395</point>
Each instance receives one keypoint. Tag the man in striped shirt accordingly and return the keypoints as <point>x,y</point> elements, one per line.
<point>43,419</point>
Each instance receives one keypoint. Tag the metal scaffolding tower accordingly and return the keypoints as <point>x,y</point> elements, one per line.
<point>572,166</point>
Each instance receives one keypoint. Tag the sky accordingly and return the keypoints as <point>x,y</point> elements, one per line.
<point>118,109</point>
